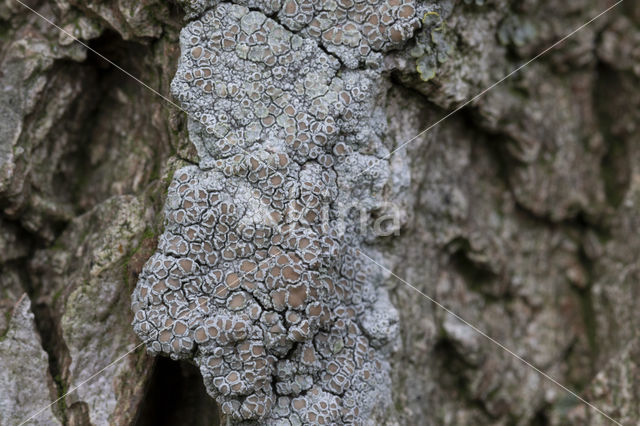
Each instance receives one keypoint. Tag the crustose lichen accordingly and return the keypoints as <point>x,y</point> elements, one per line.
<point>251,281</point>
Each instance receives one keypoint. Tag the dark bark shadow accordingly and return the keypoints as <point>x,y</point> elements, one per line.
<point>176,396</point>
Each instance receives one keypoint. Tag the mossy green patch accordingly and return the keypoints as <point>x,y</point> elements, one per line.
<point>62,389</point>
<point>590,324</point>
<point>433,45</point>
<point>56,296</point>
<point>7,316</point>
<point>58,245</point>
<point>138,256</point>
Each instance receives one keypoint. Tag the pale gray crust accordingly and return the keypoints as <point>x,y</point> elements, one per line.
<point>258,277</point>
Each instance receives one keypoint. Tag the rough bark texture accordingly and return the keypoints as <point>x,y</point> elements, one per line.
<point>521,212</point>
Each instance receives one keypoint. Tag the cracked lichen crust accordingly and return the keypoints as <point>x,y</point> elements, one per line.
<point>258,277</point>
<point>356,31</point>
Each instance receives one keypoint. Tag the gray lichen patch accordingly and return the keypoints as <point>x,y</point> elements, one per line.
<point>23,385</point>
<point>258,277</point>
<point>84,272</point>
<point>432,45</point>
<point>94,332</point>
<point>356,32</point>
<point>516,30</point>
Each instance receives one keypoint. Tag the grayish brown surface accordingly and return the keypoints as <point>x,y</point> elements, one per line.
<point>522,208</point>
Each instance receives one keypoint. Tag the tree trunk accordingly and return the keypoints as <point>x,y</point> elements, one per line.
<point>516,210</point>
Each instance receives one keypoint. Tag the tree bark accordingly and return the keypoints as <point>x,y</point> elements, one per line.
<point>518,212</point>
